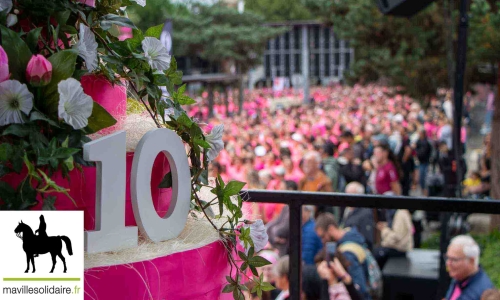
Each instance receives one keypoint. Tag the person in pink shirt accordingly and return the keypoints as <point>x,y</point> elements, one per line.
<point>387,174</point>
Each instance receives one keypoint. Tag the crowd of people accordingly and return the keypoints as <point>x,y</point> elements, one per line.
<point>358,140</point>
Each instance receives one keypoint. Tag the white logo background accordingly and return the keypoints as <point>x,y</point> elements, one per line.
<point>13,258</point>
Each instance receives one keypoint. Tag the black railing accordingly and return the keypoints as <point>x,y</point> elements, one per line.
<point>295,200</point>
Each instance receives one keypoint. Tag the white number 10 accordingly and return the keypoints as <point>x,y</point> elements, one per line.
<point>108,152</point>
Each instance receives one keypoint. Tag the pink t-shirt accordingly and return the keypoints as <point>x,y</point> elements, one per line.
<point>386,175</point>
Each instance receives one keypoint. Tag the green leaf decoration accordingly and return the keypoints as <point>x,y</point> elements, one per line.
<point>32,38</point>
<point>7,193</point>
<point>135,41</point>
<point>121,48</point>
<point>181,89</point>
<point>18,52</point>
<point>64,153</point>
<point>166,181</point>
<point>31,169</point>
<point>19,130</point>
<point>63,67</point>
<point>154,31</point>
<point>185,100</point>
<point>109,20</point>
<point>184,120</point>
<point>202,143</point>
<point>38,116</point>
<point>258,261</point>
<point>99,119</point>
<point>228,288</point>
<point>49,203</point>
<point>233,188</point>
<point>266,287</point>
<point>6,151</point>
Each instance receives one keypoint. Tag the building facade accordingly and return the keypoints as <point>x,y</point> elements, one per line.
<point>328,55</point>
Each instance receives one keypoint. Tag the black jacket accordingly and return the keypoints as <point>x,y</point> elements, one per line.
<point>424,151</point>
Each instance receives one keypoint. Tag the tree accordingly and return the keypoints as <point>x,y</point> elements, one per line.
<point>279,10</point>
<point>484,46</point>
<point>404,50</point>
<point>155,12</point>
<point>220,34</point>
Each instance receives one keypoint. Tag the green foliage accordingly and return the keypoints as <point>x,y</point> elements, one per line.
<point>156,12</point>
<point>484,37</point>
<point>218,33</point>
<point>403,50</point>
<point>279,10</point>
<point>18,52</point>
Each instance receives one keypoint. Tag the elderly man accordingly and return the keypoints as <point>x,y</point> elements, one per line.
<point>359,217</point>
<point>314,179</point>
<point>462,261</point>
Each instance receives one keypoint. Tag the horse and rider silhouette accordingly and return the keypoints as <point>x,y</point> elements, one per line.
<point>34,245</point>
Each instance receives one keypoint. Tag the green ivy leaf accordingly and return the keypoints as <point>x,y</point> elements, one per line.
<point>258,261</point>
<point>99,119</point>
<point>26,195</point>
<point>62,17</point>
<point>38,116</point>
<point>109,20</point>
<point>185,100</point>
<point>172,68</point>
<point>31,169</point>
<point>166,182</point>
<point>19,130</point>
<point>238,295</point>
<point>185,120</point>
<point>32,38</point>
<point>64,153</point>
<point>17,161</point>
<point>228,288</point>
<point>251,252</point>
<point>136,40</point>
<point>6,151</point>
<point>242,256</point>
<point>244,266</point>
<point>202,143</point>
<point>63,64</point>
<point>266,286</point>
<point>182,89</point>
<point>154,31</point>
<point>233,188</point>
<point>160,80</point>
<point>17,51</point>
<point>254,270</point>
<point>48,203</point>
<point>7,193</point>
<point>121,48</point>
<point>176,77</point>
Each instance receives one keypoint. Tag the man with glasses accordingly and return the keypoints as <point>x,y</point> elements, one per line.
<point>462,262</point>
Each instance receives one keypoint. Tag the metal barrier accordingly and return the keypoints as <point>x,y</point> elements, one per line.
<point>295,200</point>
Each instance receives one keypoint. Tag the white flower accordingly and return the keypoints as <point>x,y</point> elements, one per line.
<point>214,139</point>
<point>156,53</point>
<point>75,107</point>
<point>5,5</point>
<point>87,47</point>
<point>14,99</point>
<point>11,20</point>
<point>258,234</point>
<point>141,2</point>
